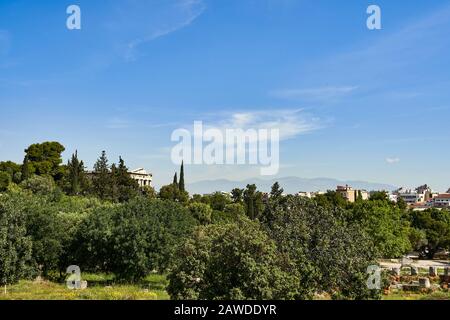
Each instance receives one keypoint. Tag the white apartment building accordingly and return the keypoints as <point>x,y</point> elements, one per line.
<point>441,200</point>
<point>411,197</point>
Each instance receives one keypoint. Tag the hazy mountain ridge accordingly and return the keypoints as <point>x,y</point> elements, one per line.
<point>289,184</point>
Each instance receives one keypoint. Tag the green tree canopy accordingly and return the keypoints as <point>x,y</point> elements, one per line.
<point>323,250</point>
<point>384,222</point>
<point>435,224</point>
<point>45,159</point>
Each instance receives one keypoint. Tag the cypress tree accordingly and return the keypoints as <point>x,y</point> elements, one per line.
<point>175,180</point>
<point>74,174</point>
<point>181,183</point>
<point>25,169</point>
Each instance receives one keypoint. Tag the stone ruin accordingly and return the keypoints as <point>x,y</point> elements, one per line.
<point>417,282</point>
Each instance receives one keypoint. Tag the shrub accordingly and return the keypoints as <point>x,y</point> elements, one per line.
<point>132,239</point>
<point>41,185</point>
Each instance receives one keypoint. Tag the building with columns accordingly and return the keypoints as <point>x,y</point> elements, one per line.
<point>142,177</point>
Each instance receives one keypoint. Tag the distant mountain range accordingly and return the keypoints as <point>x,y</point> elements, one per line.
<point>289,184</point>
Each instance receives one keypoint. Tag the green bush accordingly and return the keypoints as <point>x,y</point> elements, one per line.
<point>229,261</point>
<point>40,185</point>
<point>132,239</point>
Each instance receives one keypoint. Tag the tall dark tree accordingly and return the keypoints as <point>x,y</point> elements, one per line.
<point>101,178</point>
<point>249,199</point>
<point>181,183</point>
<point>175,180</point>
<point>253,201</point>
<point>76,175</point>
<point>127,187</point>
<point>25,169</point>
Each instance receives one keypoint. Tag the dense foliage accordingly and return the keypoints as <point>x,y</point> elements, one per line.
<point>325,251</point>
<point>132,239</point>
<point>15,245</point>
<point>435,227</point>
<point>230,261</point>
<point>242,245</point>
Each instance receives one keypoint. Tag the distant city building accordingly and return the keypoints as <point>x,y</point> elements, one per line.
<point>440,201</point>
<point>392,197</point>
<point>420,196</point>
<point>350,194</point>
<point>305,194</point>
<point>310,195</point>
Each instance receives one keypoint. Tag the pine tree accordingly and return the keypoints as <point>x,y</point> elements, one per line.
<point>175,180</point>
<point>276,191</point>
<point>25,169</point>
<point>127,187</point>
<point>101,179</point>
<point>181,183</point>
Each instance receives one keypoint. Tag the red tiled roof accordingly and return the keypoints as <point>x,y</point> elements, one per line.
<point>443,196</point>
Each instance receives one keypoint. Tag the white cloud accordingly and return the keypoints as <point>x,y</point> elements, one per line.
<point>320,93</point>
<point>290,122</point>
<point>392,160</point>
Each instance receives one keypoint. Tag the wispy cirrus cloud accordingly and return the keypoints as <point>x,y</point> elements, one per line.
<point>319,93</point>
<point>143,21</point>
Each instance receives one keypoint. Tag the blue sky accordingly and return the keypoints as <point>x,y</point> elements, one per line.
<point>357,104</point>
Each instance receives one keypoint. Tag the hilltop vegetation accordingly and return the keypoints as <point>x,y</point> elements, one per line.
<point>246,245</point>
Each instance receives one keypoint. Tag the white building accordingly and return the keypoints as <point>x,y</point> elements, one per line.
<point>441,201</point>
<point>142,177</point>
<point>411,197</point>
<point>304,194</point>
